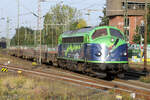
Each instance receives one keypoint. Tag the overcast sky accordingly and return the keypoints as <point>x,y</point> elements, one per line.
<point>9,8</point>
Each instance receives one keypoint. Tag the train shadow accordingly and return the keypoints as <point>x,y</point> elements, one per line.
<point>133,74</point>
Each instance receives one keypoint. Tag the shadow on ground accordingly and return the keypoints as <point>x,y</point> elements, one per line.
<point>133,74</point>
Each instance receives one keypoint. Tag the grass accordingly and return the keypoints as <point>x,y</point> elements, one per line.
<point>124,96</point>
<point>145,79</point>
<point>18,87</point>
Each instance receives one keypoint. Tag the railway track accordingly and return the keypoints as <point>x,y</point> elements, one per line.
<point>132,82</point>
<point>117,86</point>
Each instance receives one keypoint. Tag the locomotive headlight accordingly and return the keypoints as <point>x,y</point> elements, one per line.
<point>99,54</point>
<point>124,53</point>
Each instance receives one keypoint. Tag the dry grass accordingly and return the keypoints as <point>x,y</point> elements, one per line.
<point>14,87</point>
<point>17,87</point>
<point>145,79</point>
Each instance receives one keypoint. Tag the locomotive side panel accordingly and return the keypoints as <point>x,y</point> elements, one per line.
<point>71,51</point>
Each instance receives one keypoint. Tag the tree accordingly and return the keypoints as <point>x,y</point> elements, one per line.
<point>61,18</point>
<point>136,38</point>
<point>81,23</point>
<point>25,36</point>
<point>104,19</point>
<point>137,35</point>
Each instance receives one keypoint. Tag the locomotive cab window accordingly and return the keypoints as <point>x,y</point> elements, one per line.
<point>116,33</point>
<point>99,33</point>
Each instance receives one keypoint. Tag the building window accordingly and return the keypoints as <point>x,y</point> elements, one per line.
<point>99,33</point>
<point>127,34</point>
<point>133,5</point>
<point>142,6</point>
<point>127,22</point>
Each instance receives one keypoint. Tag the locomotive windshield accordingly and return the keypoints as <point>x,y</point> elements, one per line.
<point>116,33</point>
<point>99,33</point>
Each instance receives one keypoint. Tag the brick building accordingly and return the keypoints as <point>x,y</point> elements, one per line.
<point>116,11</point>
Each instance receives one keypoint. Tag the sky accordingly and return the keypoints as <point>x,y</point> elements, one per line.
<point>9,9</point>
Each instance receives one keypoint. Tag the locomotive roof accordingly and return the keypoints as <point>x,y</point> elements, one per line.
<point>82,31</point>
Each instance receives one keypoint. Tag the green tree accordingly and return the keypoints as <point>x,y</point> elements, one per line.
<point>136,38</point>
<point>104,19</point>
<point>61,18</point>
<point>25,36</point>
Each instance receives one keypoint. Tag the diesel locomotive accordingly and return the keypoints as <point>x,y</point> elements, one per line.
<point>100,51</point>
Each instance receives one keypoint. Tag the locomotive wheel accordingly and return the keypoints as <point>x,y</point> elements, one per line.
<point>80,67</point>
